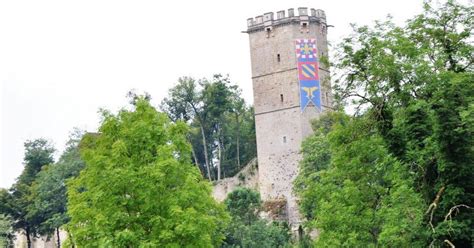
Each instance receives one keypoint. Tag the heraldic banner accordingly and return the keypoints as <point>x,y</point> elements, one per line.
<point>308,74</point>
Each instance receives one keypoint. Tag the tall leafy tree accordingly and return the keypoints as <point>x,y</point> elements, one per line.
<point>412,85</point>
<point>354,192</point>
<point>185,103</point>
<point>216,97</point>
<point>49,189</point>
<point>139,187</point>
<point>237,110</point>
<point>239,138</point>
<point>317,157</point>
<point>38,153</point>
<point>222,130</point>
<point>18,201</point>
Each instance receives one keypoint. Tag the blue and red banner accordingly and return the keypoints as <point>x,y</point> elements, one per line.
<point>308,73</point>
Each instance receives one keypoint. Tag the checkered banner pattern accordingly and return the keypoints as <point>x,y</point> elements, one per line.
<point>308,73</point>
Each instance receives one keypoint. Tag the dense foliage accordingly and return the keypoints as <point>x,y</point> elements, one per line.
<point>18,201</point>
<point>37,201</point>
<point>6,231</point>
<point>246,229</point>
<point>222,130</point>
<point>361,195</point>
<point>400,172</point>
<point>139,187</point>
<point>49,189</point>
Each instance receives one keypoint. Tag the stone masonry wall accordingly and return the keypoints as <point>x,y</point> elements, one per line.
<point>247,177</point>
<point>280,124</point>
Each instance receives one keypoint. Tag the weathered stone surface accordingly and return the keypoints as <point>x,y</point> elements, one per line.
<point>247,178</point>
<point>280,124</point>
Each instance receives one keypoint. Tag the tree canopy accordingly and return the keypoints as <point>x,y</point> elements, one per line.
<point>6,231</point>
<point>246,229</point>
<point>363,196</point>
<point>18,201</point>
<point>401,168</point>
<point>222,132</point>
<point>49,188</point>
<point>139,188</point>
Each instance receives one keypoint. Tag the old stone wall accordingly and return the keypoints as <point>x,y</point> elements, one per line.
<point>247,177</point>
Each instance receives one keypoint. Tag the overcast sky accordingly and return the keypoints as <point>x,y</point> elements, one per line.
<point>60,61</point>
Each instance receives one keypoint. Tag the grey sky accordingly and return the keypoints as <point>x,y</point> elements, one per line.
<point>60,61</point>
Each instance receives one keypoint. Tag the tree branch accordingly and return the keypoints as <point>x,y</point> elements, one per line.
<point>449,243</point>
<point>433,206</point>
<point>455,208</point>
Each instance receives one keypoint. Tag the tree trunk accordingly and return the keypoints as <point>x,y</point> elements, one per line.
<point>219,147</point>
<point>28,239</point>
<point>59,239</point>
<point>220,161</point>
<point>196,161</point>
<point>194,155</point>
<point>204,143</point>
<point>238,141</point>
<point>195,158</point>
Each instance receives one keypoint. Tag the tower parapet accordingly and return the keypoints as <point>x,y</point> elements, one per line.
<point>268,20</point>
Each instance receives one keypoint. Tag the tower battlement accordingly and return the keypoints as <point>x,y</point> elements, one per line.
<point>270,19</point>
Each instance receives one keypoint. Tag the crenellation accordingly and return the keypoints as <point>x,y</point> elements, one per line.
<point>320,14</point>
<point>291,12</point>
<point>302,11</point>
<point>268,19</point>
<point>250,22</point>
<point>280,14</point>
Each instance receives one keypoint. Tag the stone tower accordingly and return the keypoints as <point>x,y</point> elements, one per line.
<point>285,50</point>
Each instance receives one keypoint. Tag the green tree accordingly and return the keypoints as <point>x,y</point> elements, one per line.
<point>222,130</point>
<point>6,231</point>
<point>361,196</point>
<point>244,203</point>
<point>239,139</point>
<point>216,97</point>
<point>260,234</point>
<point>38,153</point>
<point>317,157</point>
<point>49,189</point>
<point>237,110</point>
<point>139,188</point>
<point>185,103</point>
<point>18,202</point>
<point>247,229</point>
<point>412,85</point>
